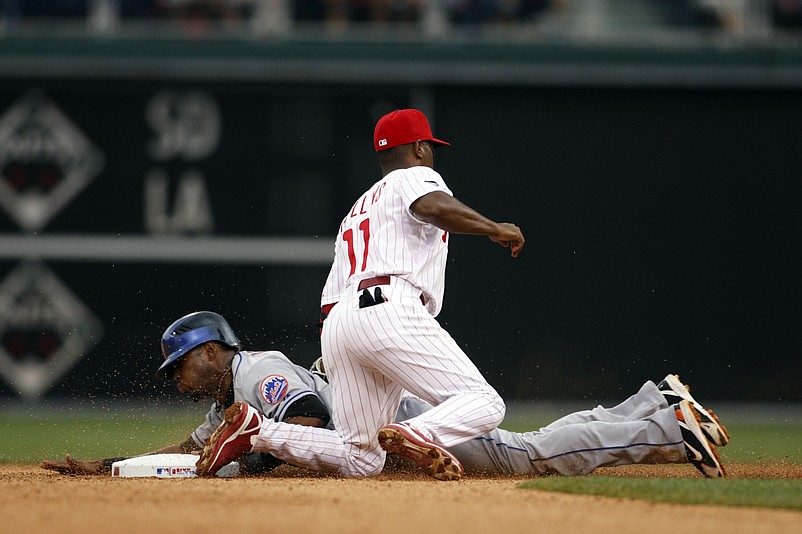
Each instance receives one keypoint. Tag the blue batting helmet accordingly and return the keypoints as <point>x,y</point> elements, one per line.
<point>192,330</point>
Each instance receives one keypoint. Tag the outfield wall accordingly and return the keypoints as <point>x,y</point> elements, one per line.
<point>658,191</point>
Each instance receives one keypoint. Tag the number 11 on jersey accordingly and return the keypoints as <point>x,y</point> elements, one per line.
<point>348,237</point>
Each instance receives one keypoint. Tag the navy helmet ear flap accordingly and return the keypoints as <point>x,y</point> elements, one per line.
<point>191,331</point>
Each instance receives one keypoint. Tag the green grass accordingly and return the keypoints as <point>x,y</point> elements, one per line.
<point>730,492</point>
<point>36,435</point>
<point>764,442</point>
<point>33,437</point>
<point>758,443</point>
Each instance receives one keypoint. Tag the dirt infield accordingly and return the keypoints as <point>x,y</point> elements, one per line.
<point>293,501</point>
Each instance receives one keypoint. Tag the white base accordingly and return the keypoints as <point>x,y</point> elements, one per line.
<point>166,466</point>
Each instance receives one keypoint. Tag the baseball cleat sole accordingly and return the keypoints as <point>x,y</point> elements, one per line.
<point>701,451</point>
<point>435,461</point>
<point>710,423</point>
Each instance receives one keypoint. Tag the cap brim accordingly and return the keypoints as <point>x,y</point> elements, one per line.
<point>438,142</point>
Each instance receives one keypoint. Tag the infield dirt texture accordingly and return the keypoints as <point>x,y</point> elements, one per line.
<point>293,501</point>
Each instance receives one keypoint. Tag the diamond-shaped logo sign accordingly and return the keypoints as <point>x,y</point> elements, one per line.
<point>44,329</point>
<point>45,161</point>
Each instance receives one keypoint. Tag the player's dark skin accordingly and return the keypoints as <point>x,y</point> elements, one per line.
<point>202,373</point>
<point>443,210</point>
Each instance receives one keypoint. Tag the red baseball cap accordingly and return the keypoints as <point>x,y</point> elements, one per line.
<point>401,127</point>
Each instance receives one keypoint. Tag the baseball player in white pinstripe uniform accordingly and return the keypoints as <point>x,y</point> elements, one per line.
<point>380,337</point>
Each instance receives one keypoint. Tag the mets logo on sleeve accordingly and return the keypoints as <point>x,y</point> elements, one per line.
<point>274,388</point>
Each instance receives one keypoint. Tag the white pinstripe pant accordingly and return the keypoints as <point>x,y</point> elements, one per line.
<point>371,355</point>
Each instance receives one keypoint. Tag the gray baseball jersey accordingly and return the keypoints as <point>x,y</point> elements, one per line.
<point>269,382</point>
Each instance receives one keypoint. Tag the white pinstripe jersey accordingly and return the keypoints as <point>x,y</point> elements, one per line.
<point>380,236</point>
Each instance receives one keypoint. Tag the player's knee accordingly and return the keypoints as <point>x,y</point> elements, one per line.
<point>361,467</point>
<point>498,407</point>
<point>494,411</point>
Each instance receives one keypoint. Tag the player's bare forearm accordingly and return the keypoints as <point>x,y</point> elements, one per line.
<point>449,214</point>
<point>70,466</point>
